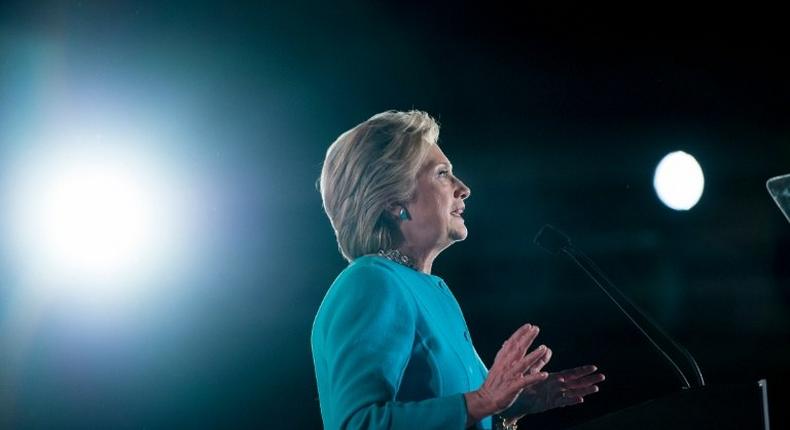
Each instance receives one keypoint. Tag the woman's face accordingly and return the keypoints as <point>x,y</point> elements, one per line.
<point>437,206</point>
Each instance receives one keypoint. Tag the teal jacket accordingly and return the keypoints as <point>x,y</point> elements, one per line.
<point>391,350</point>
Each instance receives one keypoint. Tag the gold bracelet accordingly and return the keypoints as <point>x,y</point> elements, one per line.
<point>501,423</point>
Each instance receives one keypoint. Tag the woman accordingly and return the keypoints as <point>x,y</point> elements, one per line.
<point>390,345</point>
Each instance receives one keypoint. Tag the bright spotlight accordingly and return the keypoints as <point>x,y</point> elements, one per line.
<point>679,181</point>
<point>95,219</point>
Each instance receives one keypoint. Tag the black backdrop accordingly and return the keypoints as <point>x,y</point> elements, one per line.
<point>553,114</point>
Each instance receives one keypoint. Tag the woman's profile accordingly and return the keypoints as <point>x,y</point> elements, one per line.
<point>391,348</point>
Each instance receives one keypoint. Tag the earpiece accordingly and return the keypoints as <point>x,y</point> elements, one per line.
<point>404,214</point>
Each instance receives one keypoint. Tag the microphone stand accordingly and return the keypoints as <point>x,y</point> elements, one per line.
<point>555,242</point>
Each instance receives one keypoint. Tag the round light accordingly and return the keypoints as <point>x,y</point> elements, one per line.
<point>679,181</point>
<point>96,218</point>
<point>90,217</point>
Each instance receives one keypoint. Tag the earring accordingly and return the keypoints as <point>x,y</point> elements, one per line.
<point>404,214</point>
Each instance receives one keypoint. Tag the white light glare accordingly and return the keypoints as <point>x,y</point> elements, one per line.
<point>96,216</point>
<point>679,181</point>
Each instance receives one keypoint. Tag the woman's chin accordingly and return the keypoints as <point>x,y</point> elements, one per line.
<point>457,235</point>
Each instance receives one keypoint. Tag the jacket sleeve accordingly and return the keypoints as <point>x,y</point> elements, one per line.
<point>361,342</point>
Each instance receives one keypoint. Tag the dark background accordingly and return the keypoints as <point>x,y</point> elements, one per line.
<point>550,114</point>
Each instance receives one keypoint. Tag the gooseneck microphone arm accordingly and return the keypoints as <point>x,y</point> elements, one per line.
<point>556,242</point>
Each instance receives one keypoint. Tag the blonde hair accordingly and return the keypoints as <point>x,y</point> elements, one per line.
<point>367,170</point>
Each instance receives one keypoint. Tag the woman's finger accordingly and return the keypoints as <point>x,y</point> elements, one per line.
<point>569,400</point>
<point>533,378</point>
<point>577,372</point>
<point>523,339</point>
<point>518,343</point>
<point>523,330</point>
<point>581,392</point>
<point>531,359</point>
<point>586,381</point>
<point>537,367</point>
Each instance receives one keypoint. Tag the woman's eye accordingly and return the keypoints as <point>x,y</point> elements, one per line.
<point>443,172</point>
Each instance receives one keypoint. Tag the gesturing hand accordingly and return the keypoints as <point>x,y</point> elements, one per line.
<point>564,388</point>
<point>512,372</point>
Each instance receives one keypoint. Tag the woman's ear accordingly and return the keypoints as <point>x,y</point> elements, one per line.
<point>392,211</point>
<point>398,212</point>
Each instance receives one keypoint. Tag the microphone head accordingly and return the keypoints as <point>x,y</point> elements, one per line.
<point>552,240</point>
<point>779,188</point>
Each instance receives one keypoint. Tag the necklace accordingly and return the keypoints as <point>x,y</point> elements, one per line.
<point>398,257</point>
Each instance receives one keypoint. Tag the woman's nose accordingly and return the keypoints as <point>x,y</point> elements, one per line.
<point>462,191</point>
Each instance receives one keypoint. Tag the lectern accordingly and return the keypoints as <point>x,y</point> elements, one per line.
<point>722,407</point>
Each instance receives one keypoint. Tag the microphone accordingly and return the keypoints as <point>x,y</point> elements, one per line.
<point>779,188</point>
<point>556,242</point>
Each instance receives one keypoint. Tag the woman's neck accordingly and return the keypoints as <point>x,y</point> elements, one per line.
<point>422,259</point>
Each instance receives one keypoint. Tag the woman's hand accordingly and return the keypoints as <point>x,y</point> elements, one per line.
<point>560,389</point>
<point>513,371</point>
